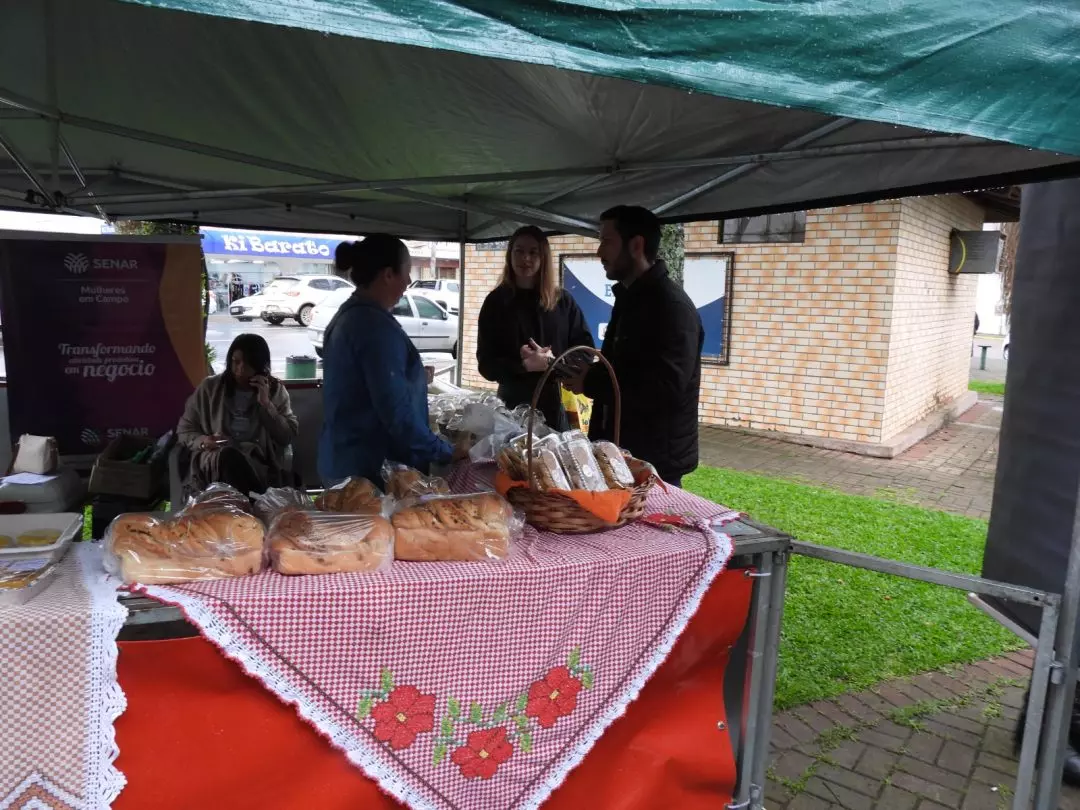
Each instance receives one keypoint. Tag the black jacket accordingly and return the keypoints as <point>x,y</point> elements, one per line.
<point>508,319</point>
<point>653,341</point>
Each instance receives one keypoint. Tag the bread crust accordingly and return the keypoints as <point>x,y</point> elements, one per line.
<point>455,528</point>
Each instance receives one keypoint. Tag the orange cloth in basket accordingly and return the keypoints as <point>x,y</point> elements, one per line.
<point>606,505</point>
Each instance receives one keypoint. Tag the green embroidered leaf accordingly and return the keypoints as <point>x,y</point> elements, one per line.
<point>522,702</point>
<point>574,658</point>
<point>453,705</point>
<point>522,722</point>
<point>447,726</point>
<point>526,742</point>
<point>439,755</point>
<point>500,715</point>
<point>587,679</point>
<point>364,708</point>
<point>386,680</point>
<point>476,713</point>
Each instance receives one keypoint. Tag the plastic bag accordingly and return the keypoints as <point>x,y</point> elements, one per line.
<point>576,455</point>
<point>327,543</point>
<point>613,465</point>
<point>278,500</point>
<point>353,495</point>
<point>480,526</point>
<point>217,495</point>
<point>403,482</point>
<point>211,542</point>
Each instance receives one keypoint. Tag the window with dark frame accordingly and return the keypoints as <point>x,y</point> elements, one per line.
<point>789,227</point>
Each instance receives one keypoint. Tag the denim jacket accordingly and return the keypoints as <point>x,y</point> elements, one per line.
<point>374,396</point>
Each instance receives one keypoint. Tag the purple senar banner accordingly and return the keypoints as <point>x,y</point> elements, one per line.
<point>102,336</point>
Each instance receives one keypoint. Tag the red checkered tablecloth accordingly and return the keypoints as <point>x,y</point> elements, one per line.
<point>58,691</point>
<point>472,685</point>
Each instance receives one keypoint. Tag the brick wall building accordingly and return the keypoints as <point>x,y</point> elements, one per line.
<point>856,337</point>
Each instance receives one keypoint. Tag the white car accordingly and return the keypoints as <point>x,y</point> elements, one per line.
<point>444,290</point>
<point>247,309</point>
<point>297,296</point>
<point>430,327</point>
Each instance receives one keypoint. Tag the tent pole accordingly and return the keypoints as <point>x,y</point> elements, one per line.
<point>1055,734</point>
<point>588,174</point>
<point>729,176</point>
<point>457,204</point>
<point>27,170</point>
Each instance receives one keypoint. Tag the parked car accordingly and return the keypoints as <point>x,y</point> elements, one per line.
<point>297,296</point>
<point>247,309</point>
<point>1005,347</point>
<point>430,327</point>
<point>446,291</point>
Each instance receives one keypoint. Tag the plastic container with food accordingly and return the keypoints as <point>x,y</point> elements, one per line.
<point>30,535</point>
<point>25,578</point>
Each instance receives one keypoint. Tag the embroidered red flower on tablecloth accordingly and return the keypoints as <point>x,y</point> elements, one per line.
<point>553,696</point>
<point>484,752</point>
<point>403,715</point>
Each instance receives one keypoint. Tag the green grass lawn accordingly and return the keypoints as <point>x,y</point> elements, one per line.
<point>847,629</point>
<point>984,387</point>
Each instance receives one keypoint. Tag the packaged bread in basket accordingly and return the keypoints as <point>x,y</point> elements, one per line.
<point>404,482</point>
<point>206,543</point>
<point>566,485</point>
<point>454,527</point>
<point>353,495</point>
<point>328,543</point>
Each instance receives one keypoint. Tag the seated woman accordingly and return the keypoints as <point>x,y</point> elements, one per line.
<point>238,424</point>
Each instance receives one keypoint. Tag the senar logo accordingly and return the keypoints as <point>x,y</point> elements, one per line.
<point>90,438</point>
<point>76,263</point>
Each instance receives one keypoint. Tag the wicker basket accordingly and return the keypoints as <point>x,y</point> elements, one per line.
<point>560,514</point>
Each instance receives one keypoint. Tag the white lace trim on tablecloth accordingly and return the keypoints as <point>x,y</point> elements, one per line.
<point>105,700</point>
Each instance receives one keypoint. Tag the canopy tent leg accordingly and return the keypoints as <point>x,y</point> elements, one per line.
<point>1055,733</point>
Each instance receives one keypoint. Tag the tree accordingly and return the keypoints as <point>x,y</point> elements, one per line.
<point>1011,230</point>
<point>672,251</point>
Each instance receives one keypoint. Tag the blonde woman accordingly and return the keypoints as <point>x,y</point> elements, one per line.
<point>526,322</point>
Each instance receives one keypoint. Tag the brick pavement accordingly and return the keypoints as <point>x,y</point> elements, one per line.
<point>952,470</point>
<point>938,740</point>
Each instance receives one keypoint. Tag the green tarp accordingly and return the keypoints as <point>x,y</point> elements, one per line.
<point>1007,70</point>
<point>462,120</point>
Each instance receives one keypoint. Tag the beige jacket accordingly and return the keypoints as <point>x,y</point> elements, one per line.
<point>207,415</point>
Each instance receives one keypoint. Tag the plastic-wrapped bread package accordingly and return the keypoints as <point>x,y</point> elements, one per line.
<point>356,496</point>
<point>455,527</point>
<point>404,482</point>
<point>613,466</point>
<point>217,495</point>
<point>330,543</point>
<point>208,543</point>
<point>278,500</point>
<point>576,455</point>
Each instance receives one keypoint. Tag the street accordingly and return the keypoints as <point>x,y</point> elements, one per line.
<point>286,340</point>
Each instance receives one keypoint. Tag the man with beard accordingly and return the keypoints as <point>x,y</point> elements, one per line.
<point>653,341</point>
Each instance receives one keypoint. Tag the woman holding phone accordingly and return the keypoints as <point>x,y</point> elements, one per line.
<point>238,424</point>
<point>525,323</point>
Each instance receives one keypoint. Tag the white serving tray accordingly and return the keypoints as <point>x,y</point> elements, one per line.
<point>69,524</point>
